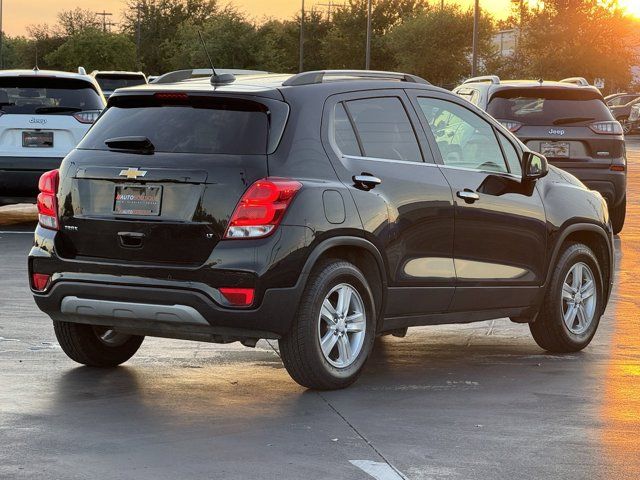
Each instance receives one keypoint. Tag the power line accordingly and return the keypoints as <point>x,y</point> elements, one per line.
<point>104,14</point>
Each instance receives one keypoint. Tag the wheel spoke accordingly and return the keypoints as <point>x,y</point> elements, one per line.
<point>582,317</point>
<point>576,282</point>
<point>570,315</point>
<point>344,349</point>
<point>355,322</point>
<point>328,342</point>
<point>344,300</point>
<point>327,312</point>
<point>588,290</point>
<point>567,292</point>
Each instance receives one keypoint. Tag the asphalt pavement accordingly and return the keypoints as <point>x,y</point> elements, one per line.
<point>478,401</point>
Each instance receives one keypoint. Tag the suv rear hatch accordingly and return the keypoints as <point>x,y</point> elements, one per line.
<point>45,116</point>
<point>158,177</point>
<point>109,82</point>
<point>571,127</point>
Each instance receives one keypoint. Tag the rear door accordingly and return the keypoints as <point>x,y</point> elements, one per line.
<point>410,213</point>
<point>500,225</point>
<point>171,204</point>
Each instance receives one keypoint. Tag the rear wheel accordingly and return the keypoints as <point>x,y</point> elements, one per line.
<point>573,302</point>
<point>617,215</point>
<point>626,125</point>
<point>95,346</point>
<point>333,333</point>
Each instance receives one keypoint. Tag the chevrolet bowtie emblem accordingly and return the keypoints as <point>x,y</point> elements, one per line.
<point>132,173</point>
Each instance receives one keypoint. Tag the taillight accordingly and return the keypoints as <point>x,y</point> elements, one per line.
<point>607,128</point>
<point>238,297</point>
<point>87,116</point>
<point>47,200</point>
<point>261,208</point>
<point>511,125</point>
<point>40,281</point>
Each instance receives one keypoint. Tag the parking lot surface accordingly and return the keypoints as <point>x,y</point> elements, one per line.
<point>478,401</point>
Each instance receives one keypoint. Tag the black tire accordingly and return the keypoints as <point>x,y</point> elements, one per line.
<point>549,329</point>
<point>618,215</point>
<point>300,348</point>
<point>83,344</point>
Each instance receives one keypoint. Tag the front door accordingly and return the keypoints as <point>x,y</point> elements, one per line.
<point>500,226</point>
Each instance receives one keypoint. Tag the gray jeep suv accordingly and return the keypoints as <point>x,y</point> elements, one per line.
<point>568,122</point>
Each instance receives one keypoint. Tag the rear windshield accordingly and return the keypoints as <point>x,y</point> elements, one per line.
<point>110,82</point>
<point>42,95</point>
<point>201,127</point>
<point>548,107</point>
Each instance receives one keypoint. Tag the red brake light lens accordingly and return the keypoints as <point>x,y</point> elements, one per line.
<point>511,125</point>
<point>171,96</point>
<point>238,297</point>
<point>40,281</point>
<point>262,207</point>
<point>607,128</point>
<point>47,200</point>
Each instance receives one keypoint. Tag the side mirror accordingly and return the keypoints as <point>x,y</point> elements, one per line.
<point>534,166</point>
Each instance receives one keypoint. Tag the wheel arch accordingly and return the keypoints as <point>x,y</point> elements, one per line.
<point>364,255</point>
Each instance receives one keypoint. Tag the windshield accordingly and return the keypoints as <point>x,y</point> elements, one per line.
<point>47,95</point>
<point>208,127</point>
<point>111,82</point>
<point>548,107</point>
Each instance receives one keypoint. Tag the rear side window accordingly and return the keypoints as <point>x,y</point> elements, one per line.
<point>47,96</point>
<point>110,82</point>
<point>384,129</point>
<point>207,126</point>
<point>549,106</point>
<point>343,133</point>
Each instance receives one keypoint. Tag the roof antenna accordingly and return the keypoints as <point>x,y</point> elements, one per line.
<point>215,78</point>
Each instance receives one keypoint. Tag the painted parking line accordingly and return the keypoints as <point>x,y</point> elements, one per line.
<point>378,470</point>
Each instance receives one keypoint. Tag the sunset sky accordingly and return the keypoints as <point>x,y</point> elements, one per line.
<point>20,13</point>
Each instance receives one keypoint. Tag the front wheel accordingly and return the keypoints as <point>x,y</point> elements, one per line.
<point>617,215</point>
<point>334,331</point>
<point>627,127</point>
<point>573,302</point>
<point>95,346</point>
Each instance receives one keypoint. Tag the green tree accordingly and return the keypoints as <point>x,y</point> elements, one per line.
<point>437,44</point>
<point>74,21</point>
<point>95,50</point>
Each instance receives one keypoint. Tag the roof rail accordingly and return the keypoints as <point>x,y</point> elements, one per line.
<point>309,78</point>
<point>494,79</point>
<point>576,81</point>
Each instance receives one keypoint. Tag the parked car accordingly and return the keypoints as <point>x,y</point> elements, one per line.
<point>109,81</point>
<point>43,115</point>
<point>566,121</point>
<point>319,209</point>
<point>634,117</point>
<point>617,99</point>
<point>622,112</point>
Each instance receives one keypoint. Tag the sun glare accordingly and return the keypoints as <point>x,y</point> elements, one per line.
<point>631,6</point>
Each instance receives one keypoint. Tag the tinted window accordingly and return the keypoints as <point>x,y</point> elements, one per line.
<point>111,82</point>
<point>464,139</point>
<point>225,128</point>
<point>511,154</point>
<point>384,129</point>
<point>343,132</point>
<point>548,106</point>
<point>30,95</point>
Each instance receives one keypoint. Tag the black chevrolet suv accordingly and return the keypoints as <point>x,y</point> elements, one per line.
<point>568,122</point>
<point>319,209</point>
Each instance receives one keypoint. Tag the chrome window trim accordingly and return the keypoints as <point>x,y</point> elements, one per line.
<point>389,160</point>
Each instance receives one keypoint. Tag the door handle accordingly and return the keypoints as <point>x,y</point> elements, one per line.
<point>366,181</point>
<point>469,196</point>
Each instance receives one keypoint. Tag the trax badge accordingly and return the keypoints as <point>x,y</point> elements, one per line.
<point>132,173</point>
<point>556,131</point>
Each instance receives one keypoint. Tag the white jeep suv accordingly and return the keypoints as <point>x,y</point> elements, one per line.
<point>43,115</point>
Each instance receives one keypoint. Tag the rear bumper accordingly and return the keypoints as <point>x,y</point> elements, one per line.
<point>19,175</point>
<point>611,185</point>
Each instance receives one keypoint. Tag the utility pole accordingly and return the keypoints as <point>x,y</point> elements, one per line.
<point>138,35</point>
<point>441,4</point>
<point>476,31</point>
<point>367,60</point>
<point>301,60</point>
<point>104,14</point>
<point>1,39</point>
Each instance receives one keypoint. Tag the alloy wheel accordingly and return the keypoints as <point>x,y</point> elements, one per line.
<point>579,298</point>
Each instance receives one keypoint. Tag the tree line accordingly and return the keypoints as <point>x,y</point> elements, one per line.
<point>590,38</point>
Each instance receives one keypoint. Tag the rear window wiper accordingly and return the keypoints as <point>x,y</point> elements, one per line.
<point>563,121</point>
<point>60,109</point>
<point>131,144</point>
